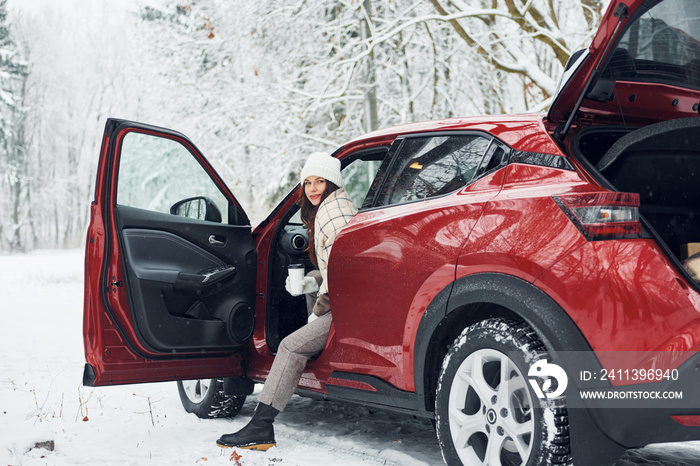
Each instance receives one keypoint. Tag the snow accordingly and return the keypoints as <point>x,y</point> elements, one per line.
<point>43,400</point>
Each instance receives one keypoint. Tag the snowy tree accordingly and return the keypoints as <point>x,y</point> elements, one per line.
<point>14,167</point>
<point>256,85</point>
<point>529,38</point>
<point>79,76</point>
<point>265,83</point>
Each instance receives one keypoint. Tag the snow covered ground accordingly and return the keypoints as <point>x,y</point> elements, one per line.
<point>42,400</point>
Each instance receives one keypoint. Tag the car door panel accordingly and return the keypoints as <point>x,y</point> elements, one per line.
<point>163,290</point>
<point>189,292</point>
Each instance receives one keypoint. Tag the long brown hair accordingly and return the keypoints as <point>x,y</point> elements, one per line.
<point>308,215</point>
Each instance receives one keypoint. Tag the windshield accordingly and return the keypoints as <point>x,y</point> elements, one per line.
<point>662,45</point>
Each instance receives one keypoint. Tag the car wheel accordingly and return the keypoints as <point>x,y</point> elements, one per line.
<point>206,398</point>
<point>486,411</point>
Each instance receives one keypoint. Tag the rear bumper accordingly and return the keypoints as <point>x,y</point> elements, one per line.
<point>643,413</point>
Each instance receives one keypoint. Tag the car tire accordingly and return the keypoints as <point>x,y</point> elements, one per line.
<point>475,423</point>
<point>206,399</point>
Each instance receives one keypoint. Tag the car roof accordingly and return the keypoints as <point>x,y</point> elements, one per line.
<point>524,132</point>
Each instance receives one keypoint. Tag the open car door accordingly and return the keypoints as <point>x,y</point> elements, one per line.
<point>169,264</point>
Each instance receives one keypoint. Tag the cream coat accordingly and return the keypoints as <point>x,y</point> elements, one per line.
<point>333,214</point>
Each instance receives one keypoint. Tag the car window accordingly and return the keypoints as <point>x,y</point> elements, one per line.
<point>662,45</point>
<point>358,178</point>
<point>496,157</point>
<point>426,167</point>
<point>157,174</point>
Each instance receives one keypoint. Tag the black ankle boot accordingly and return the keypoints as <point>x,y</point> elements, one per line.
<point>258,434</point>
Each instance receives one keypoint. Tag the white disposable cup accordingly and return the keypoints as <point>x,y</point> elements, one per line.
<point>296,278</point>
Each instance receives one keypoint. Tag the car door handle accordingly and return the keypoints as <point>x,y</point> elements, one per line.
<point>216,240</point>
<point>204,278</point>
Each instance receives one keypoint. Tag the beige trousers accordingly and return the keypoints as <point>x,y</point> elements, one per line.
<point>293,353</point>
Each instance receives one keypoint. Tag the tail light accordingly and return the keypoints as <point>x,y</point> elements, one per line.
<point>601,216</point>
<point>690,421</point>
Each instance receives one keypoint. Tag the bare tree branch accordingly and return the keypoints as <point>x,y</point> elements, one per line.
<point>521,64</point>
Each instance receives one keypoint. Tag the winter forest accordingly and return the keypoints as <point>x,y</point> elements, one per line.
<point>256,85</point>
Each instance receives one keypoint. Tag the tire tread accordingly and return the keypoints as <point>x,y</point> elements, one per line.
<point>215,405</point>
<point>522,336</point>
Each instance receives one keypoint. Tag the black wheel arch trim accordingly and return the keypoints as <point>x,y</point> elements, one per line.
<point>526,301</point>
<point>557,330</point>
<point>523,299</point>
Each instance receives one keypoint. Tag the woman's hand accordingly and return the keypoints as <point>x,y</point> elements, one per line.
<point>308,285</point>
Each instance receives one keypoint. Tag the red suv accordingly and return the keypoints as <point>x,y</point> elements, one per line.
<point>498,266</point>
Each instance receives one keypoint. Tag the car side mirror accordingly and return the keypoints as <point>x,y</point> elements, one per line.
<point>200,208</point>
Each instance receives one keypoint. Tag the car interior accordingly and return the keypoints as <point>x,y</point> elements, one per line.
<point>659,162</point>
<point>287,313</point>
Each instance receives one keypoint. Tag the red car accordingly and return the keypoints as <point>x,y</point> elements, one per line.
<point>498,267</point>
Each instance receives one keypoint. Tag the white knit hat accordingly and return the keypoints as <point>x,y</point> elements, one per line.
<point>324,166</point>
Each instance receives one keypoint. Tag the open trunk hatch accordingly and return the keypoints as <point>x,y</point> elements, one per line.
<point>661,162</point>
<point>642,67</point>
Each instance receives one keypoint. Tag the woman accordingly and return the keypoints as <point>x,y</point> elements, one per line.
<point>325,209</point>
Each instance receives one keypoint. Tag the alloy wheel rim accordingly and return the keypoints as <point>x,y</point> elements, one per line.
<point>196,390</point>
<point>490,411</point>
